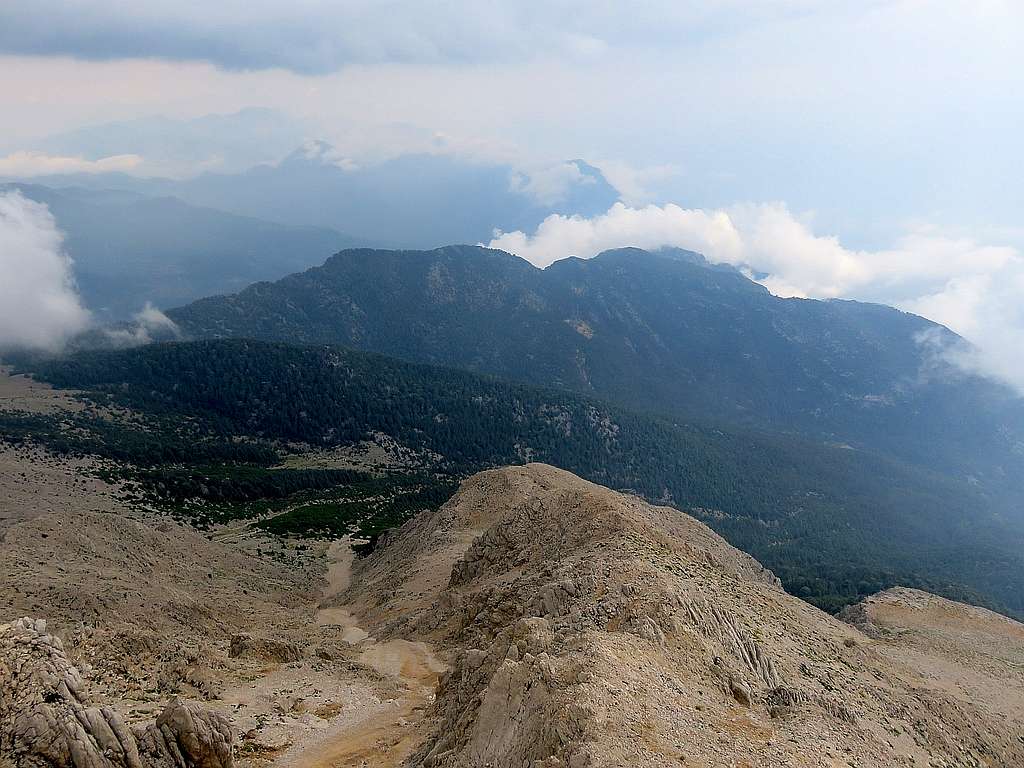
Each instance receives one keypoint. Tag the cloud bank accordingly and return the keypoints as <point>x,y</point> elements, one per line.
<point>39,307</point>
<point>551,184</point>
<point>975,289</point>
<point>28,164</point>
<point>320,36</point>
<point>161,146</point>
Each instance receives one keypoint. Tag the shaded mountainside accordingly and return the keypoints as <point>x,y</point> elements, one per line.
<point>660,331</point>
<point>591,629</point>
<point>834,523</point>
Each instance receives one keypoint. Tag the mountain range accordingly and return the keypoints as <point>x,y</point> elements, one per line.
<point>663,332</point>
<point>200,499</point>
<point>827,438</point>
<point>168,241</point>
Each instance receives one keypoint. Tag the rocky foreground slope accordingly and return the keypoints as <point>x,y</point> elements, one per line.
<point>126,656</point>
<point>579,628</point>
<point>592,629</point>
<point>48,720</point>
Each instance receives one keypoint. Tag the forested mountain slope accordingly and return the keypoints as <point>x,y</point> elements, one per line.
<point>663,332</point>
<point>835,523</point>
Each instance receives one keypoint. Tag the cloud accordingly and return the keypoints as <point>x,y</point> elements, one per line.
<point>307,36</point>
<point>988,309</point>
<point>160,146</point>
<point>152,319</point>
<point>637,185</point>
<point>549,185</point>
<point>322,152</point>
<point>147,325</point>
<point>27,164</point>
<point>320,36</point>
<point>560,236</point>
<point>852,131</point>
<point>975,289</point>
<point>39,307</point>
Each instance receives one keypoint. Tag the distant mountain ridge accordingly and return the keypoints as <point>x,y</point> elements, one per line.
<point>659,331</point>
<point>405,201</point>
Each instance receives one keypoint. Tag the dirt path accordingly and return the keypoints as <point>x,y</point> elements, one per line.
<point>384,736</point>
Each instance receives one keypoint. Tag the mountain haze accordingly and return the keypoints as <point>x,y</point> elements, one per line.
<point>173,147</point>
<point>404,201</point>
<point>129,249</point>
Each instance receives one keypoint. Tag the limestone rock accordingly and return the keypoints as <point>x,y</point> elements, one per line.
<point>590,629</point>
<point>247,646</point>
<point>46,720</point>
<point>185,736</point>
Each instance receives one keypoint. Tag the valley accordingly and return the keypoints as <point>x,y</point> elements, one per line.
<point>262,424</point>
<point>146,607</point>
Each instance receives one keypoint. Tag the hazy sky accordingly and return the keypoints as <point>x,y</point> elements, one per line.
<point>888,132</point>
<point>870,112</point>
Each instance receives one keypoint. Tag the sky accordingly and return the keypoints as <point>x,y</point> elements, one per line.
<point>866,149</point>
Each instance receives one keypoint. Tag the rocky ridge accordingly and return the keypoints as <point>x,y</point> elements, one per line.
<point>592,629</point>
<point>578,627</point>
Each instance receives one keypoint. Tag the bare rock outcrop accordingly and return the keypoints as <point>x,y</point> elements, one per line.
<point>184,736</point>
<point>244,645</point>
<point>47,721</point>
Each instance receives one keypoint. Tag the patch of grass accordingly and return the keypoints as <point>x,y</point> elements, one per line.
<point>364,510</point>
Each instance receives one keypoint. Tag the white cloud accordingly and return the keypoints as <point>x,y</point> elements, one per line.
<point>988,309</point>
<point>637,185</point>
<point>147,324</point>
<point>27,164</point>
<point>39,307</point>
<point>850,130</point>
<point>549,185</point>
<point>152,319</point>
<point>322,152</point>
<point>561,236</point>
<point>975,289</point>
